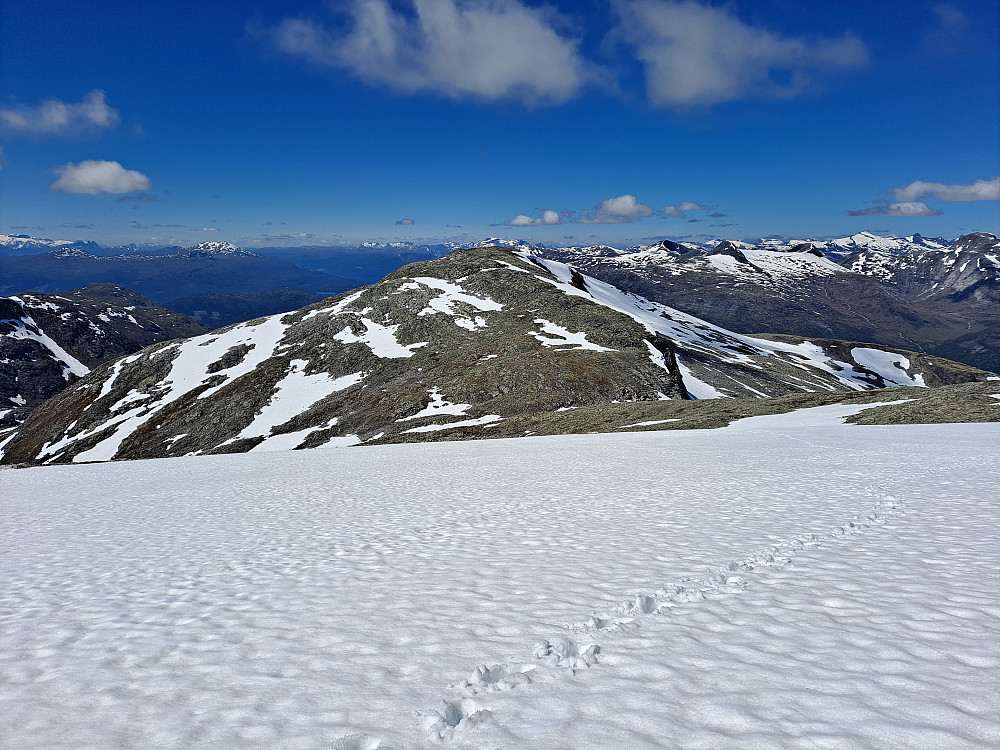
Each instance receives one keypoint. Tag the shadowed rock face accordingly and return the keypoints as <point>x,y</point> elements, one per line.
<point>464,346</point>
<point>48,341</point>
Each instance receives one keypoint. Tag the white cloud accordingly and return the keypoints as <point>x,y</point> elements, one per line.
<point>906,208</point>
<point>621,210</point>
<point>980,190</point>
<point>681,208</point>
<point>54,118</point>
<point>498,49</point>
<point>546,218</point>
<point>406,222</point>
<point>92,177</point>
<point>697,54</point>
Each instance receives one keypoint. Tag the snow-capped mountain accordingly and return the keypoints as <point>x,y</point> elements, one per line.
<point>438,350</point>
<point>968,270</point>
<point>894,291</point>
<point>22,244</point>
<point>48,341</point>
<point>213,249</point>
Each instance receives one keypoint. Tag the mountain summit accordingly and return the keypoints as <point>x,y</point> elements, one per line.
<point>445,348</point>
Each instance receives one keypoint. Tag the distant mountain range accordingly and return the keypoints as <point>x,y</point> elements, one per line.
<point>477,344</point>
<point>915,293</point>
<point>925,294</point>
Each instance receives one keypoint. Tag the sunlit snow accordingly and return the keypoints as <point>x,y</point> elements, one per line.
<point>788,582</point>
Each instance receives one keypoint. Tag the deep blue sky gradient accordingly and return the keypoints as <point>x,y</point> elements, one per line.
<point>238,136</point>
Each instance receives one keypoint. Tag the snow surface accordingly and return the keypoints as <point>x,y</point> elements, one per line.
<point>294,394</point>
<point>438,405</point>
<point>892,367</point>
<point>770,585</point>
<point>555,335</point>
<point>27,328</point>
<point>379,338</point>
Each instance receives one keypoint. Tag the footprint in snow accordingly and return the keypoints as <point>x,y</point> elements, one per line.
<point>488,678</point>
<point>597,622</point>
<point>455,715</point>
<point>566,653</point>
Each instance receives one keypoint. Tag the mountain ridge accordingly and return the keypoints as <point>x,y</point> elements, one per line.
<point>464,346</point>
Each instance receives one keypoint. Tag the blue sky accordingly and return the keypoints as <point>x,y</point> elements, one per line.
<point>614,121</point>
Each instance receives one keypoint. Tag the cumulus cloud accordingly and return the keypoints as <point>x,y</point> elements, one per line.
<point>499,49</point>
<point>621,210</point>
<point>545,218</point>
<point>980,190</point>
<point>54,118</point>
<point>92,177</point>
<point>406,222</point>
<point>681,209</point>
<point>905,208</point>
<point>696,54</point>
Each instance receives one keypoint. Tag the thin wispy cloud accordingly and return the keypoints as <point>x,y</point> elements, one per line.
<point>140,198</point>
<point>951,30</point>
<point>92,176</point>
<point>405,222</point>
<point>905,208</point>
<point>501,49</point>
<point>697,54</point>
<point>980,190</point>
<point>680,210</point>
<point>69,225</point>
<point>54,118</point>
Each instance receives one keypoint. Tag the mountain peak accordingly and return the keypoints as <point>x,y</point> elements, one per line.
<point>214,248</point>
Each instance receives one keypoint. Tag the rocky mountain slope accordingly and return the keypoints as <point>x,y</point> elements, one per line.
<point>50,340</point>
<point>207,267</point>
<point>459,347</point>
<point>917,295</point>
<point>967,271</point>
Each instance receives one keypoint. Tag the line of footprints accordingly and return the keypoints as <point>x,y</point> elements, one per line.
<point>568,655</point>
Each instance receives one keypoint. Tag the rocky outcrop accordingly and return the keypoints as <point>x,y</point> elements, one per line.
<point>48,341</point>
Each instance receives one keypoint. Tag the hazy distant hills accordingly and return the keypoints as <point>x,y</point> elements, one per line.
<point>219,309</point>
<point>468,346</point>
<point>207,267</point>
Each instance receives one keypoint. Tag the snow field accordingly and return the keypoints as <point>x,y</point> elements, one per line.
<point>769,585</point>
